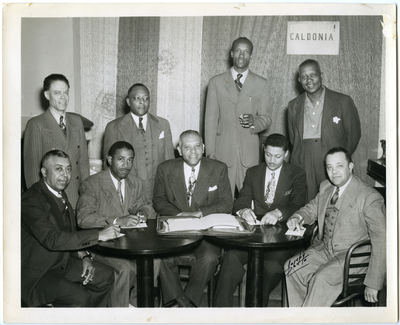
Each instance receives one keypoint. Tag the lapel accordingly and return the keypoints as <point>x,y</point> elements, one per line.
<point>328,110</point>
<point>349,198</point>
<point>248,86</point>
<point>126,130</point>
<point>283,181</point>
<point>259,182</point>
<point>324,198</point>
<point>52,205</point>
<point>130,195</point>
<point>154,128</point>
<point>54,131</point>
<point>178,185</point>
<point>203,183</point>
<point>230,86</point>
<point>299,111</point>
<point>108,188</point>
<point>72,132</point>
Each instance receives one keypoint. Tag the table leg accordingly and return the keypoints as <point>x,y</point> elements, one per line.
<point>145,280</point>
<point>255,275</point>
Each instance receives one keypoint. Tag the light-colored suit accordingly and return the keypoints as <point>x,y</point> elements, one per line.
<point>211,195</point>
<point>43,134</point>
<point>340,127</point>
<point>160,148</point>
<point>361,216</point>
<point>224,136</point>
<point>99,204</point>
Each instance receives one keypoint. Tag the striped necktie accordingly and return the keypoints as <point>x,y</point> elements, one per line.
<point>335,196</point>
<point>239,85</point>
<point>192,183</point>
<point>142,130</point>
<point>62,125</point>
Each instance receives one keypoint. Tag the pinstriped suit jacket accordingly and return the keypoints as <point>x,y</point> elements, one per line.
<point>212,193</point>
<point>99,202</point>
<point>43,134</point>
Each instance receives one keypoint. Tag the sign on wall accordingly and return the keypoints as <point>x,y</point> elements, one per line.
<point>313,37</point>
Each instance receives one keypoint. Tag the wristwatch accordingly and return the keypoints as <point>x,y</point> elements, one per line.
<point>87,255</point>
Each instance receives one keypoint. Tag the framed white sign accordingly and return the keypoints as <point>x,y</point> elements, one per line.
<point>313,37</point>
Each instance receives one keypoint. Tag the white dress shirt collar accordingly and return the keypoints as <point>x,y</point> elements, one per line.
<point>115,182</point>
<point>235,73</point>
<point>268,175</point>
<point>188,171</point>
<point>58,194</point>
<point>136,119</point>
<point>57,114</point>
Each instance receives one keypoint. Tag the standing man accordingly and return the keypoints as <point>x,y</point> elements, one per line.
<point>149,135</point>
<point>56,267</point>
<point>277,189</point>
<point>347,211</point>
<point>319,119</point>
<point>237,109</point>
<point>191,186</point>
<point>109,197</point>
<point>56,129</point>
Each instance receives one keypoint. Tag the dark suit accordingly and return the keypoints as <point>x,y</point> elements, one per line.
<point>289,196</point>
<point>224,136</point>
<point>360,215</point>
<point>99,204</point>
<point>150,150</point>
<point>50,269</point>
<point>211,195</point>
<point>340,126</point>
<point>43,134</point>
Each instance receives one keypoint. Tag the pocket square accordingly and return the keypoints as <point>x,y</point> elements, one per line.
<point>288,192</point>
<point>161,135</point>
<point>210,189</point>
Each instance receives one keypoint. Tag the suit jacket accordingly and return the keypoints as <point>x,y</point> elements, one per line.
<point>99,200</point>
<point>43,134</point>
<point>290,193</point>
<point>212,193</point>
<point>223,132</point>
<point>345,133</point>
<point>362,215</point>
<point>45,242</point>
<point>123,129</point>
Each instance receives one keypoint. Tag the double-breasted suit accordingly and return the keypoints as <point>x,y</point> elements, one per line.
<point>360,215</point>
<point>49,242</point>
<point>289,196</point>
<point>211,195</point>
<point>99,205</point>
<point>150,150</point>
<point>224,136</point>
<point>340,127</point>
<point>43,134</point>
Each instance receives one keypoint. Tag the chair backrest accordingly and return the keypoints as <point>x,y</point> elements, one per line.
<point>352,263</point>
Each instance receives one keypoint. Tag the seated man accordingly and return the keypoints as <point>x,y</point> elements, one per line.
<point>276,189</point>
<point>191,186</point>
<point>109,197</point>
<point>55,267</point>
<point>347,211</point>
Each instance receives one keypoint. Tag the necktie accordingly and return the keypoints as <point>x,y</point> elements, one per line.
<point>239,85</point>
<point>119,192</point>
<point>270,192</point>
<point>192,183</point>
<point>335,196</point>
<point>141,125</point>
<point>62,125</point>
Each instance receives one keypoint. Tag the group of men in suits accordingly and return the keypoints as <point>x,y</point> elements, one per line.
<point>140,155</point>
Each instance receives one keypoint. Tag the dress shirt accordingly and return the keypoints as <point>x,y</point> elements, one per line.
<point>136,119</point>
<point>57,116</point>
<point>188,172</point>
<point>342,188</point>
<point>235,73</point>
<point>57,194</point>
<point>115,182</point>
<point>313,117</point>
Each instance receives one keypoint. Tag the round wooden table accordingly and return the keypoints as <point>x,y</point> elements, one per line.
<point>143,244</point>
<point>264,238</point>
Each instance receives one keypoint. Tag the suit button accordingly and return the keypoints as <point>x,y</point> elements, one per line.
<point>79,147</point>
<point>77,163</point>
<point>77,177</point>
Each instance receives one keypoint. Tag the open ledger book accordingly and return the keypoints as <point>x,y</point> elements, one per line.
<point>212,225</point>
